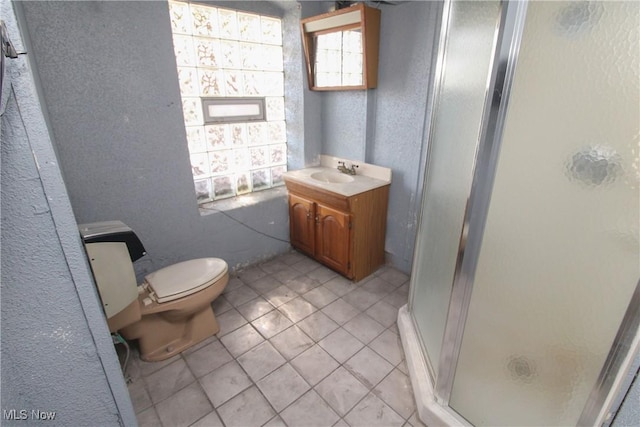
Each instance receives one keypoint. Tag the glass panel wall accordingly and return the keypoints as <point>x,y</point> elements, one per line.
<point>560,255</point>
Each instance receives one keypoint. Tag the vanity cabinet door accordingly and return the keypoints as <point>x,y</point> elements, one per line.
<point>301,224</point>
<point>333,238</point>
<point>345,233</point>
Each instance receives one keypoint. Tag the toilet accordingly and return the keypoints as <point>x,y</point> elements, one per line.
<point>171,310</point>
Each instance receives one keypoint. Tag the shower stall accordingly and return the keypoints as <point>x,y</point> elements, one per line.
<point>525,292</point>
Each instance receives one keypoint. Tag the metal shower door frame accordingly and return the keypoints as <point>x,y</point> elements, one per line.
<point>506,50</point>
<point>503,67</point>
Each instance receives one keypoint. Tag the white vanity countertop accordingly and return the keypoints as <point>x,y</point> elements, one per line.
<point>367,176</point>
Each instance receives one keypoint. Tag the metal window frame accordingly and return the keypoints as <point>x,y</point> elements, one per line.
<point>257,101</point>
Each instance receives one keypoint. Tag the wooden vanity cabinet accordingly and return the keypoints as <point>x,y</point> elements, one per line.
<point>344,233</point>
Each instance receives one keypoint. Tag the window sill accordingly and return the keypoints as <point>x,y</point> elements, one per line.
<point>243,201</point>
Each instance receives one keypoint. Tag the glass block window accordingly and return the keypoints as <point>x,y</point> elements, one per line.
<point>226,53</point>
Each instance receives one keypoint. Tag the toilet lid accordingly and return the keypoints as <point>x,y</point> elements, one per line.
<point>185,278</point>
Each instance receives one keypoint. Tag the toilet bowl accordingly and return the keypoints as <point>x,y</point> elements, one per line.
<point>171,310</point>
<point>175,307</point>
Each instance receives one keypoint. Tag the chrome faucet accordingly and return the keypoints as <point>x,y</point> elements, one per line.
<point>349,171</point>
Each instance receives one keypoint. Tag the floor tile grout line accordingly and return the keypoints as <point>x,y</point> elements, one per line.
<point>255,383</point>
<point>143,378</point>
<point>210,402</point>
<point>311,387</point>
<point>303,275</point>
<point>240,392</point>
<point>387,403</point>
<point>340,365</point>
<point>235,359</point>
<point>275,308</point>
<point>369,390</point>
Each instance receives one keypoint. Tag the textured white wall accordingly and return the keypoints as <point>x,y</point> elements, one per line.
<point>110,84</point>
<point>57,355</point>
<point>386,126</point>
<point>109,81</point>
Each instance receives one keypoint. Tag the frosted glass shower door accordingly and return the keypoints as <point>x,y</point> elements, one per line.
<point>559,259</point>
<point>457,116</point>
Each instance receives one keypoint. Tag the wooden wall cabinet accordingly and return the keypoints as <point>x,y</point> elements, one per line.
<point>344,233</point>
<point>341,48</point>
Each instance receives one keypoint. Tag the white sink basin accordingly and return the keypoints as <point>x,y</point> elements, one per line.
<point>332,177</point>
<point>327,177</point>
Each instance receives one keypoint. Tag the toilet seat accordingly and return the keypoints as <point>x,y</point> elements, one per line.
<point>184,278</point>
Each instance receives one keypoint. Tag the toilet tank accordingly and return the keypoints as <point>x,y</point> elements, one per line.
<point>112,247</point>
<point>113,231</point>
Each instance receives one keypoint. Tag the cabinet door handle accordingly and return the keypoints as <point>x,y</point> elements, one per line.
<point>318,219</point>
<point>308,215</point>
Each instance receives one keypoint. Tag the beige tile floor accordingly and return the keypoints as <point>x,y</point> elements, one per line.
<point>298,346</point>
